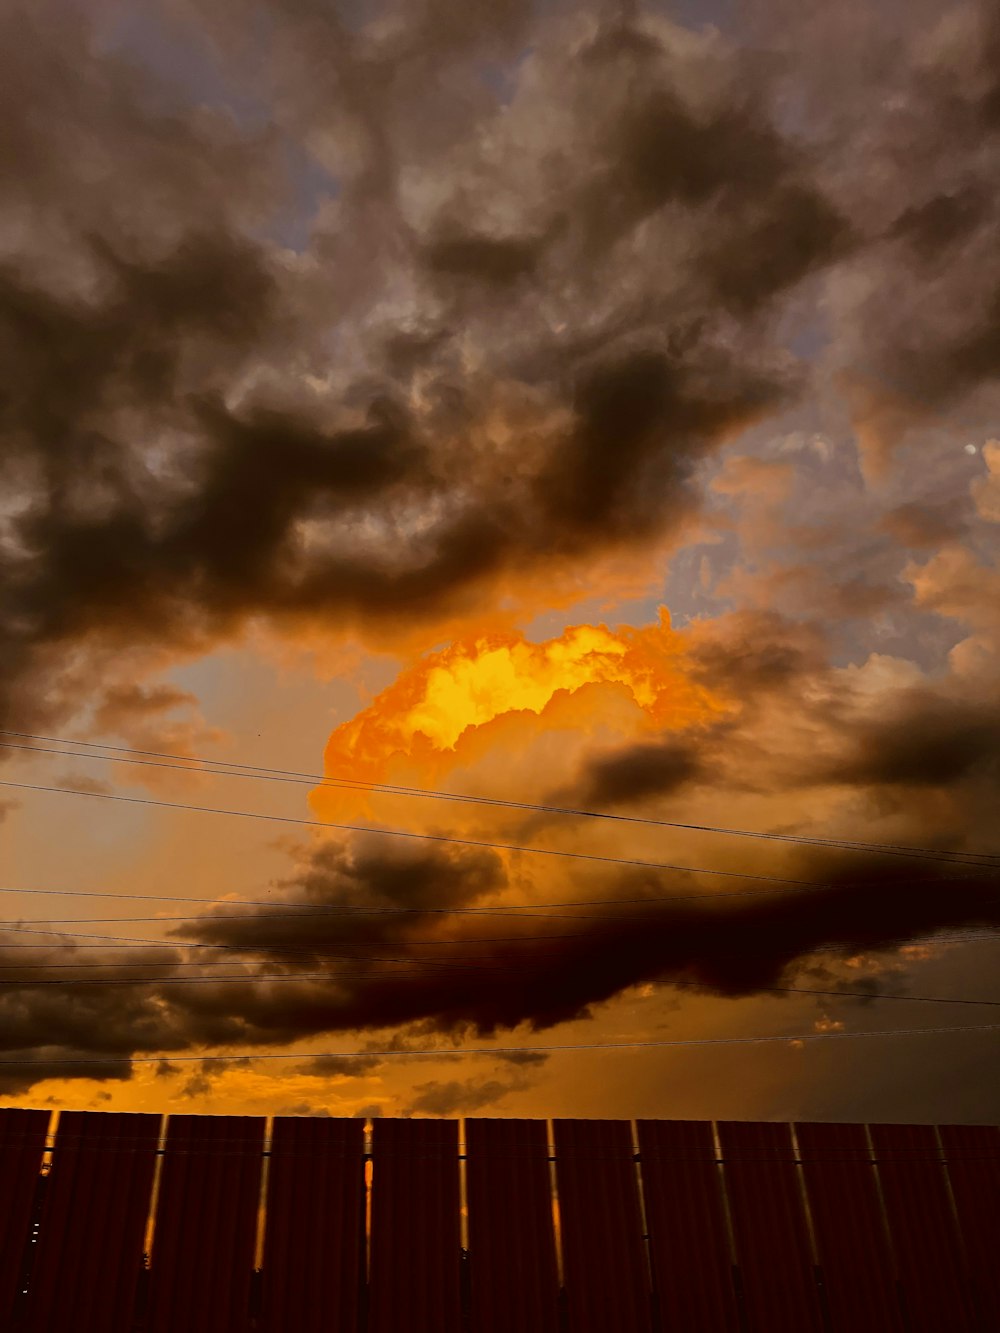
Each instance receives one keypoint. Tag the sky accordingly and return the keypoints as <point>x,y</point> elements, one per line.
<point>494,461</point>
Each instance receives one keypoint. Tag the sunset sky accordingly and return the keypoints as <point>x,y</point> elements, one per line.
<point>587,408</point>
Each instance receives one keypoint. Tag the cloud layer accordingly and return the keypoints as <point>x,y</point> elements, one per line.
<point>502,347</point>
<point>430,319</point>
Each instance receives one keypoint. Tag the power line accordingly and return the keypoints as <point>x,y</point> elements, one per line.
<point>321,914</point>
<point>957,936</point>
<point>416,964</point>
<point>310,912</point>
<point>397,833</point>
<point>431,1052</point>
<point>530,909</point>
<point>349,909</point>
<point>430,837</point>
<point>131,942</point>
<point>223,768</point>
<point>520,911</point>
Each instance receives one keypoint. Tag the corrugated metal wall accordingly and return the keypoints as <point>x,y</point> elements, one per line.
<point>88,1257</point>
<point>598,1227</point>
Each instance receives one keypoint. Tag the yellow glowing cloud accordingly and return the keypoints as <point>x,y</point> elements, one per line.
<point>495,696</point>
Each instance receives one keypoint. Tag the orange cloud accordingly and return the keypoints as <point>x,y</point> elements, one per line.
<point>497,694</point>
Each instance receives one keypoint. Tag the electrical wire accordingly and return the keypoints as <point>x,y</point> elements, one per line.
<point>144,942</point>
<point>307,910</point>
<point>419,966</point>
<point>433,1052</point>
<point>224,768</point>
<point>349,909</point>
<point>334,973</point>
<point>532,911</point>
<point>377,830</point>
<point>413,963</point>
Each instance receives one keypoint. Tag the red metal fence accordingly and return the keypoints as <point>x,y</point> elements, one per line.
<point>228,1224</point>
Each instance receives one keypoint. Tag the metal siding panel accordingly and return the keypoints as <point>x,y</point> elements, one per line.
<point>514,1281</point>
<point>924,1234</point>
<point>206,1221</point>
<point>314,1236</point>
<point>416,1233</point>
<point>604,1262</point>
<point>89,1253</point>
<point>22,1142</point>
<point>850,1236</point>
<point>686,1221</point>
<point>769,1228</point>
<point>973,1156</point>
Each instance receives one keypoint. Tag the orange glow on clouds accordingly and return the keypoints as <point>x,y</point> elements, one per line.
<point>492,698</point>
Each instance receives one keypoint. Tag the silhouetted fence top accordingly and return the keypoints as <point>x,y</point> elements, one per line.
<point>228,1224</point>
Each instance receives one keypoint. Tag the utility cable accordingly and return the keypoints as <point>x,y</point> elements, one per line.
<point>224,768</point>
<point>437,1053</point>
<point>334,973</point>
<point>430,837</point>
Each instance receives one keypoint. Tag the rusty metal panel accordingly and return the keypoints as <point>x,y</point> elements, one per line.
<point>685,1218</point>
<point>850,1235</point>
<point>769,1227</point>
<point>416,1246</point>
<point>514,1282</point>
<point>314,1237</point>
<point>93,1223</point>
<point>604,1262</point>
<point>22,1142</point>
<point>205,1226</point>
<point>923,1230</point>
<point>973,1156</point>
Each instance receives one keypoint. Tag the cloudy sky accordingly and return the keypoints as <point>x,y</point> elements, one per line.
<point>585,408</point>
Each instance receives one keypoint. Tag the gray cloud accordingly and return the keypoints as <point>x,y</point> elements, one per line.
<point>82,782</point>
<point>508,336</point>
<point>381,973</point>
<point>460,1096</point>
<point>192,442</point>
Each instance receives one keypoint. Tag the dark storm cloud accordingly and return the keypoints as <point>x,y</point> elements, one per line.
<point>800,724</point>
<point>634,772</point>
<point>203,429</point>
<point>516,325</point>
<point>927,324</point>
<point>945,220</point>
<point>922,740</point>
<point>512,970</point>
<point>331,1066</point>
<point>460,1096</point>
<point>344,973</point>
<point>780,227</point>
<point>643,417</point>
<point>15,1079</point>
<point>487,259</point>
<point>751,654</point>
<point>51,1023</point>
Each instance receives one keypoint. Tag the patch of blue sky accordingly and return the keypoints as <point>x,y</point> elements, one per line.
<point>691,576</point>
<point>358,14</point>
<point>804,328</point>
<point>183,61</point>
<point>603,609</point>
<point>311,185</point>
<point>721,14</point>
